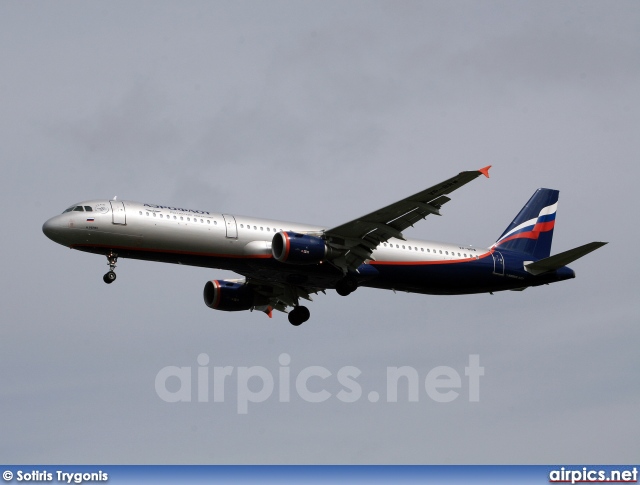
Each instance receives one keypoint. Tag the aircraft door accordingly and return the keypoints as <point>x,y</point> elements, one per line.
<point>231,226</point>
<point>498,263</point>
<point>117,211</point>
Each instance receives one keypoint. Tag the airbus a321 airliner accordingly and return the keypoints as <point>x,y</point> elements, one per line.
<point>284,262</point>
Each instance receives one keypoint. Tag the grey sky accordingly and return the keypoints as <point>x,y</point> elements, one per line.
<point>319,112</point>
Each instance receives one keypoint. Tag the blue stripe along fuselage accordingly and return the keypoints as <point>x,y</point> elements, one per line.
<point>451,277</point>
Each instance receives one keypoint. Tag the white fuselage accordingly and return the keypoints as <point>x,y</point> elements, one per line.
<point>121,225</point>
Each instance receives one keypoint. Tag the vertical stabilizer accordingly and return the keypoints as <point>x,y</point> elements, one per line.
<point>531,231</point>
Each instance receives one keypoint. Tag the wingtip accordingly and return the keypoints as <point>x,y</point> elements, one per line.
<point>485,171</point>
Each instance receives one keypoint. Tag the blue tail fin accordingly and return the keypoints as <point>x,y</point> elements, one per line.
<point>531,231</point>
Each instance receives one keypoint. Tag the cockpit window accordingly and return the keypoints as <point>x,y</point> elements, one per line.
<point>79,208</point>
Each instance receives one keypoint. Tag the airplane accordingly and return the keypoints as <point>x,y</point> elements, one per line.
<point>285,262</point>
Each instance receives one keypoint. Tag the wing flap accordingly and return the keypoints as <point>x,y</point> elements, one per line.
<point>281,295</point>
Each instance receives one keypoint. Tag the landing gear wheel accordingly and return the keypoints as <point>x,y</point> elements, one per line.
<point>299,315</point>
<point>109,277</point>
<point>346,286</point>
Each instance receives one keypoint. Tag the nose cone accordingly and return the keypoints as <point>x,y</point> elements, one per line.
<point>51,229</point>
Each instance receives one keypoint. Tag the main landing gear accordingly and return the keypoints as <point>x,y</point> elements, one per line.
<point>110,276</point>
<point>346,285</point>
<point>299,315</point>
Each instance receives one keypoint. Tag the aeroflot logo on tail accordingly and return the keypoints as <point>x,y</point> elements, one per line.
<point>175,208</point>
<point>533,227</point>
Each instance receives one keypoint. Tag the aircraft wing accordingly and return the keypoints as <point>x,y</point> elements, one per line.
<point>362,235</point>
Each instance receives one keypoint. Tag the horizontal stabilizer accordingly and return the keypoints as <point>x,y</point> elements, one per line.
<point>561,259</point>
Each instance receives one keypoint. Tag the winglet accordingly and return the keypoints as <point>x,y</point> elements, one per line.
<point>269,311</point>
<point>485,171</point>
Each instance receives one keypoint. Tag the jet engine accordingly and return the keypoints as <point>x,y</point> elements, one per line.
<point>295,248</point>
<point>231,296</point>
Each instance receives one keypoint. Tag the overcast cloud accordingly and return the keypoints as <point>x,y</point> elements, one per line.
<point>319,112</point>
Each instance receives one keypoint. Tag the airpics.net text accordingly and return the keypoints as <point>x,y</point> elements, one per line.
<point>257,384</point>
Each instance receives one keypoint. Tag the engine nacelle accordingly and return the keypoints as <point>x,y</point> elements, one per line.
<point>231,296</point>
<point>295,248</point>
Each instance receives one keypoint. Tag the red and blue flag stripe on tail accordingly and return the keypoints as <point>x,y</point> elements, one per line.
<point>531,231</point>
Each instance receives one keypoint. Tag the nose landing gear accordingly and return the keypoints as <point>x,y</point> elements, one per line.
<point>110,276</point>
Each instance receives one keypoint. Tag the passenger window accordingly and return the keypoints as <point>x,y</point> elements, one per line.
<point>422,249</point>
<point>242,226</point>
<point>208,221</point>
<point>161,216</point>
<point>268,229</point>
<point>409,248</point>
<point>88,208</point>
<point>140,212</point>
<point>147,213</point>
<point>441,251</point>
<point>181,218</point>
<point>154,214</point>
<point>79,209</point>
